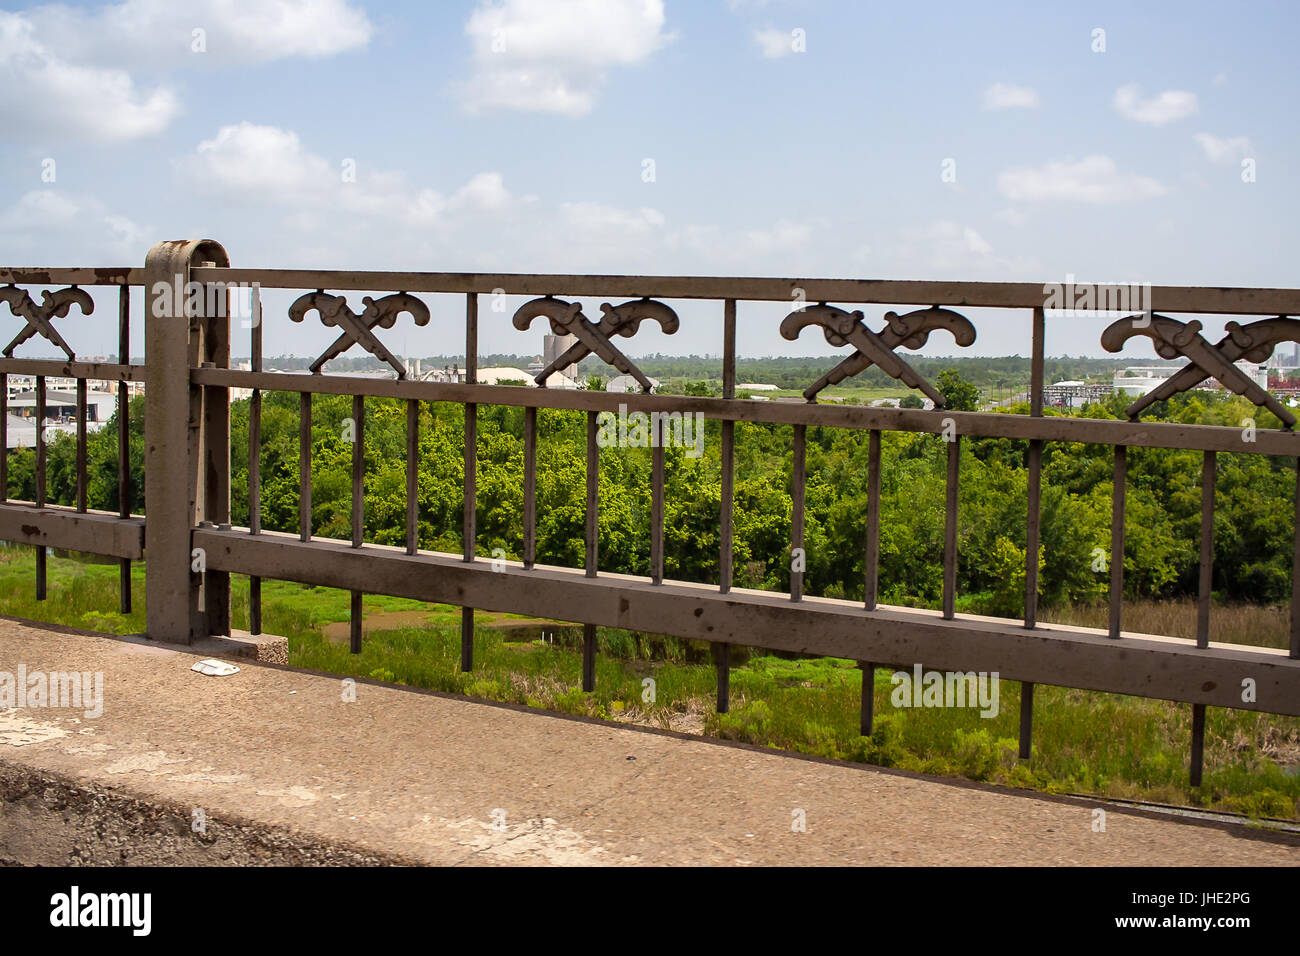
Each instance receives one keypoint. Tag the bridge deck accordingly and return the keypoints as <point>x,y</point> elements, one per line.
<point>418,776</point>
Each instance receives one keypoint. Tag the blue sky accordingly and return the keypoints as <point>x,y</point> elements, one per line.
<point>513,136</point>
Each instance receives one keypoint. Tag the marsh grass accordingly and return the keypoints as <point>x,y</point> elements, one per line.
<point>1084,742</point>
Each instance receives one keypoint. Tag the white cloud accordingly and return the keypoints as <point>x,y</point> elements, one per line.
<point>266,164</point>
<point>1224,151</point>
<point>1093,179</point>
<point>1169,106</point>
<point>953,248</point>
<point>48,97</point>
<point>155,33</point>
<point>1006,96</point>
<point>774,43</point>
<point>551,56</point>
<point>67,72</point>
<point>55,225</point>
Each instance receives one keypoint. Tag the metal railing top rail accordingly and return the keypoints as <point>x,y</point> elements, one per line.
<point>1156,434</point>
<point>36,275</point>
<point>1015,295</point>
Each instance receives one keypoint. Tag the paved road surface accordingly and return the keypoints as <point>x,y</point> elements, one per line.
<point>440,780</point>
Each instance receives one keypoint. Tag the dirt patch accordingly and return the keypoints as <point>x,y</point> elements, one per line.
<point>340,632</point>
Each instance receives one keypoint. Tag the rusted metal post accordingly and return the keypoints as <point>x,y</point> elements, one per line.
<point>187,449</point>
<point>530,487</point>
<point>950,528</point>
<point>868,698</point>
<point>798,489</point>
<point>255,460</point>
<point>304,466</point>
<point>1198,744</point>
<point>1207,550</point>
<point>1295,570</point>
<point>412,475</point>
<point>1032,529</point>
<point>1119,486</point>
<point>871,569</point>
<point>123,439</point>
<point>592,557</point>
<point>81,445</point>
<point>41,552</point>
<point>471,464</point>
<point>722,654</point>
<point>358,506</point>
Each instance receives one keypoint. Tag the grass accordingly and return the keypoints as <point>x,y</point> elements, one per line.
<point>1084,742</point>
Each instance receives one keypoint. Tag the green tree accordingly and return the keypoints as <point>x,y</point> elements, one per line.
<point>959,395</point>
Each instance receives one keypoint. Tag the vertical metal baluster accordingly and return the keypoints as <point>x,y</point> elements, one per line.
<point>358,503</point>
<point>1198,744</point>
<point>1119,492</point>
<point>1295,571</point>
<point>722,655</point>
<point>1207,550</point>
<point>871,575</point>
<point>1033,526</point>
<point>950,529</point>
<point>255,461</point>
<point>40,480</point>
<point>471,464</point>
<point>868,698</point>
<point>657,499</point>
<point>871,572</point>
<point>304,466</point>
<point>530,487</point>
<point>798,487</point>
<point>124,439</point>
<point>1208,462</point>
<point>4,437</point>
<point>412,475</point>
<point>81,445</point>
<point>1034,521</point>
<point>591,561</point>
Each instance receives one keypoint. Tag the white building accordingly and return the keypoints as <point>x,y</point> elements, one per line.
<point>495,376</point>
<point>626,383</point>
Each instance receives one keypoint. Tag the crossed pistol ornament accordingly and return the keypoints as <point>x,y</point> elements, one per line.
<point>1254,342</point>
<point>55,305</point>
<point>566,318</point>
<point>877,348</point>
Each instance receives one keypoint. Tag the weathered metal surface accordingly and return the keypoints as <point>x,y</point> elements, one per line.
<point>172,460</point>
<point>1268,441</point>
<point>97,532</point>
<point>1017,295</point>
<point>1146,666</point>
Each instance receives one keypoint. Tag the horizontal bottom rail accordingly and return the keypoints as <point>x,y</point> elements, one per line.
<point>96,532</point>
<point>1144,666</point>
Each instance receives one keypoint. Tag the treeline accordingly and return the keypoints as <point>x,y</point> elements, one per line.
<point>989,374</point>
<point>1252,540</point>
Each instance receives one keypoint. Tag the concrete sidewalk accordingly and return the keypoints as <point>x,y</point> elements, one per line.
<point>283,770</point>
